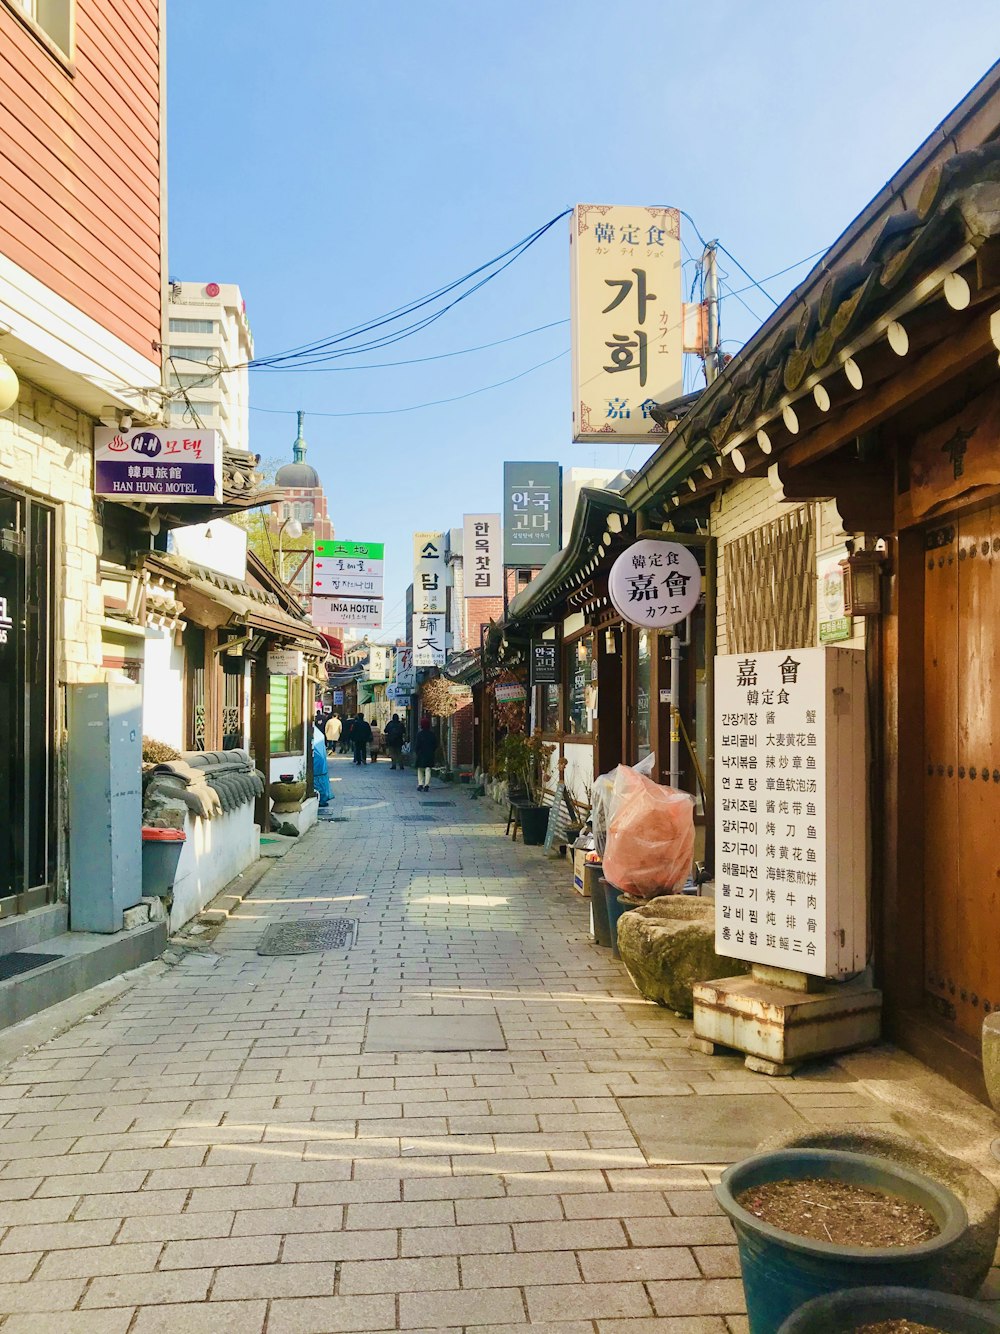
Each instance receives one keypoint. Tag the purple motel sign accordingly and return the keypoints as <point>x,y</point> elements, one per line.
<point>158,464</point>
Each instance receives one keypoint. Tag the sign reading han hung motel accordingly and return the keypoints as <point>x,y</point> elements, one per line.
<point>627,317</point>
<point>181,466</point>
<point>532,518</point>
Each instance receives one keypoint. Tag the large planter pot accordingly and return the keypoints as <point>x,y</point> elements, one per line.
<point>599,911</point>
<point>843,1312</point>
<point>619,905</point>
<point>991,1058</point>
<point>287,797</point>
<point>782,1271</point>
<point>667,945</point>
<point>534,824</point>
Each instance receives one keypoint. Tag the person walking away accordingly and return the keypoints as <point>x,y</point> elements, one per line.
<point>376,742</point>
<point>361,734</point>
<point>334,727</point>
<point>395,735</point>
<point>425,748</point>
<point>347,737</point>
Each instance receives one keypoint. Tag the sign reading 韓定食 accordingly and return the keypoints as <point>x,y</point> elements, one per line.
<point>627,318</point>
<point>482,558</point>
<point>654,584</point>
<point>790,809</point>
<point>161,465</point>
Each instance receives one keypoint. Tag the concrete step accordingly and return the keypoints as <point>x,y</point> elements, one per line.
<point>30,929</point>
<point>86,959</point>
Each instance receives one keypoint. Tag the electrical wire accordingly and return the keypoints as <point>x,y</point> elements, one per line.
<point>742,270</point>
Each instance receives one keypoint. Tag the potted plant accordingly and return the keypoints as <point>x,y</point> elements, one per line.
<point>843,1312</point>
<point>524,762</point>
<point>289,792</point>
<point>884,1222</point>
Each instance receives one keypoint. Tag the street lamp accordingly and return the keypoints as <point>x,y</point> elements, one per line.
<point>294,531</point>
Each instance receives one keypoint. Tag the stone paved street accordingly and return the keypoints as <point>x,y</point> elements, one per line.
<point>242,1143</point>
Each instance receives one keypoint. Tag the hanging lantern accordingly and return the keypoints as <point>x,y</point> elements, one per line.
<point>863,582</point>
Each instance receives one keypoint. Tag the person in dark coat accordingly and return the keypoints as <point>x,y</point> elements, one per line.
<point>346,735</point>
<point>395,735</point>
<point>361,734</point>
<point>424,749</point>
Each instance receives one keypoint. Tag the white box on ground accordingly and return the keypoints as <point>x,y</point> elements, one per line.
<point>791,828</point>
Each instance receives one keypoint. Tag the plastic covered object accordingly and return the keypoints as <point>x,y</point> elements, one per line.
<point>650,836</point>
<point>601,795</point>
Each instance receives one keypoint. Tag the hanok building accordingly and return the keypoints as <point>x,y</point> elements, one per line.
<point>867,410</point>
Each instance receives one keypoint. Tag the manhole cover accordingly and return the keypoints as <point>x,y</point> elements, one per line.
<point>416,819</point>
<point>437,803</point>
<point>337,933</point>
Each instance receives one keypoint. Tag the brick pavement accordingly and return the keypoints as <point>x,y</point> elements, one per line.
<point>217,1151</point>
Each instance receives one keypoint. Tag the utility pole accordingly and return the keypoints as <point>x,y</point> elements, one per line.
<point>713,353</point>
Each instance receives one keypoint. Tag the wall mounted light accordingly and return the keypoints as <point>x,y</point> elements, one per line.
<point>863,581</point>
<point>610,641</point>
<point>9,385</point>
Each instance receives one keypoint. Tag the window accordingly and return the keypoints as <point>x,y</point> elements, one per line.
<point>286,715</point>
<point>192,326</point>
<point>307,513</point>
<point>193,353</point>
<point>286,510</point>
<point>643,687</point>
<point>549,711</point>
<point>580,690</point>
<point>53,17</point>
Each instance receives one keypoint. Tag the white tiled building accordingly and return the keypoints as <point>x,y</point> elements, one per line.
<point>209,344</point>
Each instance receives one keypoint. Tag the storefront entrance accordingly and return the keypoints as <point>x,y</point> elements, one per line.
<point>961,774</point>
<point>27,830</point>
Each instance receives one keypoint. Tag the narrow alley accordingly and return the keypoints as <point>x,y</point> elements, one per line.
<point>431,1129</point>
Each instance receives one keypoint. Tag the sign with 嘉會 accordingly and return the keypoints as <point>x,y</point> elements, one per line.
<point>481,556</point>
<point>544,662</point>
<point>791,809</point>
<point>284,662</point>
<point>429,647</point>
<point>654,584</point>
<point>347,611</point>
<point>627,319</point>
<point>833,623</point>
<point>175,466</point>
<point>333,549</point>
<point>531,513</point>
<point>430,573</point>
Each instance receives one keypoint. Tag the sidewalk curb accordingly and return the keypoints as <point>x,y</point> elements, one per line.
<point>225,903</point>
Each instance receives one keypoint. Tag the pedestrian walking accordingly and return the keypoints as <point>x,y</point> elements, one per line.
<point>334,727</point>
<point>347,737</point>
<point>376,743</point>
<point>425,748</point>
<point>395,735</point>
<point>361,734</point>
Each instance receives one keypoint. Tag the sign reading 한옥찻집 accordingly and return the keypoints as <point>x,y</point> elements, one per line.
<point>790,809</point>
<point>178,466</point>
<point>654,584</point>
<point>481,556</point>
<point>627,317</point>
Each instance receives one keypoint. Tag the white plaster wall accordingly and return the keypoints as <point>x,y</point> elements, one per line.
<point>579,770</point>
<point>163,688</point>
<point>288,764</point>
<point>216,851</point>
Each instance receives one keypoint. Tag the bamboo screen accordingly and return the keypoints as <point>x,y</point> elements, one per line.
<point>771,585</point>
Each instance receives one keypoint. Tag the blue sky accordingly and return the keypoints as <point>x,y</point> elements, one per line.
<point>337,160</point>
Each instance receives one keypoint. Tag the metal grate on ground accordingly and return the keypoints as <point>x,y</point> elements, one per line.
<point>335,933</point>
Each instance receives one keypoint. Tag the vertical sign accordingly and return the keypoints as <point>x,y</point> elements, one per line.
<point>627,318</point>
<point>832,622</point>
<point>406,676</point>
<point>429,573</point>
<point>544,662</point>
<point>531,513</point>
<point>428,639</point>
<point>481,556</point>
<point>790,809</point>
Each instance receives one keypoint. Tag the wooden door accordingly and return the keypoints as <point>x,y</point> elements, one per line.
<point>961,826</point>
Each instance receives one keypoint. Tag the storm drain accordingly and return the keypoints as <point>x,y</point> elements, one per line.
<point>336,933</point>
<point>437,803</point>
<point>417,819</point>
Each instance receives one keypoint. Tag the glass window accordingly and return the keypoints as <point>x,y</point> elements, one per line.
<point>192,326</point>
<point>286,715</point>
<point>643,686</point>
<point>580,690</point>
<point>54,17</point>
<point>549,713</point>
<point>307,513</point>
<point>193,353</point>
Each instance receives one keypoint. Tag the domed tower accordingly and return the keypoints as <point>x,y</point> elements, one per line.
<point>298,475</point>
<point>303,499</point>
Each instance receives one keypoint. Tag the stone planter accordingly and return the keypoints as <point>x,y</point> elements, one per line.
<point>968,1263</point>
<point>842,1313</point>
<point>991,1058</point>
<point>287,797</point>
<point>667,945</point>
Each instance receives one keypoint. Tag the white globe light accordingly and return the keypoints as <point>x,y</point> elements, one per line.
<point>294,529</point>
<point>9,386</point>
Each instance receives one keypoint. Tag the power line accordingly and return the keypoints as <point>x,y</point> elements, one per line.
<point>433,403</point>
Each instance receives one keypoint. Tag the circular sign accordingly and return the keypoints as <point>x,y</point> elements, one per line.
<point>654,584</point>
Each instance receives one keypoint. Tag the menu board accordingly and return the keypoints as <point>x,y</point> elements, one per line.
<point>791,809</point>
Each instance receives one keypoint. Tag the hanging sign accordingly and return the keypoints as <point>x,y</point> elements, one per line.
<point>338,697</point>
<point>531,513</point>
<point>348,585</point>
<point>406,675</point>
<point>428,639</point>
<point>627,319</point>
<point>544,662</point>
<point>655,584</point>
<point>481,556</point>
<point>332,566</point>
<point>430,573</point>
<point>833,623</point>
<point>347,611</point>
<point>284,662</point>
<point>334,549</point>
<point>790,826</point>
<point>510,692</point>
<point>183,466</point>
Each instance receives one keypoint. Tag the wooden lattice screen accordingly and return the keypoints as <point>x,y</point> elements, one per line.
<point>771,585</point>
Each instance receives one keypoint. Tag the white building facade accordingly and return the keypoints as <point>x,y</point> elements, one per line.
<point>209,345</point>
